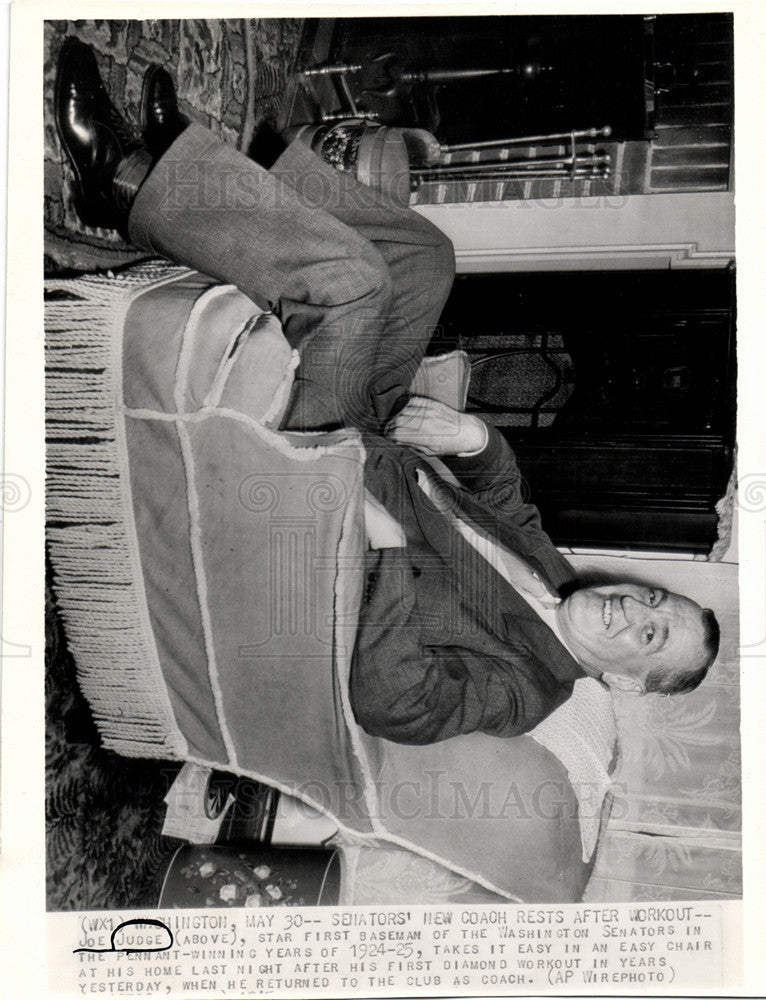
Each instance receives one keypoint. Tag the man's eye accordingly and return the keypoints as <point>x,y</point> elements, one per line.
<point>648,634</point>
<point>653,595</point>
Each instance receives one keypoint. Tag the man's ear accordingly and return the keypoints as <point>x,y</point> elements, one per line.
<point>623,684</point>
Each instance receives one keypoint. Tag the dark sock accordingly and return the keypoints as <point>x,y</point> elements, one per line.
<point>130,174</point>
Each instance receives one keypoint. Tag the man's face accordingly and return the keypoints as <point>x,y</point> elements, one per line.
<point>628,629</point>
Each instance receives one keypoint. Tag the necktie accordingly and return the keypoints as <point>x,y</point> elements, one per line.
<point>510,566</point>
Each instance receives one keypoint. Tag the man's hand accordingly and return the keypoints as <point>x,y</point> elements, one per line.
<point>436,429</point>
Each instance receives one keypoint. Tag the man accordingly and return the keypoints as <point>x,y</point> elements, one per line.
<point>464,629</point>
<point>462,626</point>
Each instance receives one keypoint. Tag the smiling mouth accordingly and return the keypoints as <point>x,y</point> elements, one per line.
<point>606,612</point>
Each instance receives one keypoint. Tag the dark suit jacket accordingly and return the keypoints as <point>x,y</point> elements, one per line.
<point>445,644</point>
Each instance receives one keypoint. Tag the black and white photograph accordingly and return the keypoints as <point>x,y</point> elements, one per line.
<point>391,502</point>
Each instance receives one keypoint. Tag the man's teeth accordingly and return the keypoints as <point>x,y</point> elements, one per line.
<point>606,612</point>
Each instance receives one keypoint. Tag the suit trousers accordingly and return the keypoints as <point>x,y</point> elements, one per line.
<point>357,280</point>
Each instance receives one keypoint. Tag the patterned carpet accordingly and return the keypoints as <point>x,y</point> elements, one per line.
<point>104,813</point>
<point>230,76</point>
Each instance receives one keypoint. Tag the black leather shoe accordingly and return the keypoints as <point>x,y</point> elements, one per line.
<point>161,121</point>
<point>93,133</point>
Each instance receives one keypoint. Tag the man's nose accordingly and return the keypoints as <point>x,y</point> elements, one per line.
<point>632,609</point>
